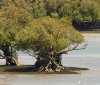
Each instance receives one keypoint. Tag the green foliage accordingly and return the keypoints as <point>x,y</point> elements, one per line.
<point>13,17</point>
<point>66,20</point>
<point>54,15</point>
<point>39,8</point>
<point>46,32</point>
<point>24,23</point>
<point>3,37</point>
<point>89,9</point>
<point>80,9</point>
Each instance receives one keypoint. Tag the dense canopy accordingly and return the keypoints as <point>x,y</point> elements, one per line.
<point>44,33</point>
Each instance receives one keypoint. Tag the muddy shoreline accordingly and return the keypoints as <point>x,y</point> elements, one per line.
<point>28,69</point>
<point>91,31</point>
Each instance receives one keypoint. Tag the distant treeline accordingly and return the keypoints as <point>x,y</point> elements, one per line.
<point>84,14</point>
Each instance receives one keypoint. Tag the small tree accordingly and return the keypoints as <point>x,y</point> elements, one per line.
<point>48,38</point>
<point>14,15</point>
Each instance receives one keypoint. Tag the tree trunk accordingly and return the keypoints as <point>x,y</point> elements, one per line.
<point>11,61</point>
<point>49,63</point>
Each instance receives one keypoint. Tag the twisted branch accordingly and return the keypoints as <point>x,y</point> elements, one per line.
<point>75,47</point>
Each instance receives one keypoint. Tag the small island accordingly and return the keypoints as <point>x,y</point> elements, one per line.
<point>45,29</point>
<point>46,45</point>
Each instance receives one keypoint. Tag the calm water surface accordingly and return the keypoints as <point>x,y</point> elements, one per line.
<point>42,79</point>
<point>88,58</point>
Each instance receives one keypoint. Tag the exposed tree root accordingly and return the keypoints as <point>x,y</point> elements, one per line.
<point>51,66</point>
<point>10,61</point>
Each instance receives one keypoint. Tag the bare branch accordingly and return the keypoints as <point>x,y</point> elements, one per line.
<point>31,53</point>
<point>75,47</point>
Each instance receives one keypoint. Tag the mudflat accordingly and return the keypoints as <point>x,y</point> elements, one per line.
<point>28,69</point>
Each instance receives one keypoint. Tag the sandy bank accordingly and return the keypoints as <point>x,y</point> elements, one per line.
<point>91,34</point>
<point>89,71</point>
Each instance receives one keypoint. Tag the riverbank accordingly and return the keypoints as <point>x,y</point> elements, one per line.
<point>28,69</point>
<point>90,34</point>
<point>96,31</point>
